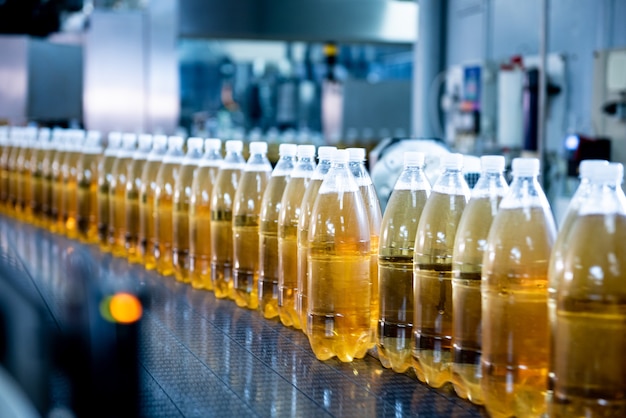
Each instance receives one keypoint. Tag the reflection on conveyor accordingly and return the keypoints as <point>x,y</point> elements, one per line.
<point>198,356</point>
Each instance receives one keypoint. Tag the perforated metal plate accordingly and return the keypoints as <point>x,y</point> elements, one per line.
<point>200,356</point>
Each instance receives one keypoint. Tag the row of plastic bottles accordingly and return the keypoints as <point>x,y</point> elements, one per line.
<point>467,288</point>
<point>516,318</point>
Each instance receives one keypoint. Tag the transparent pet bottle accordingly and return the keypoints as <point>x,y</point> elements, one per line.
<point>304,221</point>
<point>147,234</point>
<point>467,262</point>
<point>222,197</point>
<point>395,263</point>
<point>339,286</point>
<point>246,221</point>
<point>589,329</point>
<point>163,205</point>
<point>515,331</point>
<point>132,198</point>
<point>200,214</point>
<point>182,198</point>
<point>288,219</point>
<point>268,232</point>
<point>432,263</point>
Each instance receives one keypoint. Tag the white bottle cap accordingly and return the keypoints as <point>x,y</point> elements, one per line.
<point>194,143</point>
<point>305,151</point>
<point>587,167</point>
<point>288,150</point>
<point>340,156</point>
<point>452,161</point>
<point>356,154</point>
<point>609,173</point>
<point>413,159</point>
<point>234,145</point>
<point>145,142</point>
<point>492,163</point>
<point>258,147</point>
<point>130,141</point>
<point>159,142</point>
<point>115,140</point>
<point>325,153</point>
<point>94,136</point>
<point>43,135</point>
<point>212,144</point>
<point>525,167</point>
<point>174,142</point>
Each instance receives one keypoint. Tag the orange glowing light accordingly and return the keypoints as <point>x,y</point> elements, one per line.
<point>125,308</point>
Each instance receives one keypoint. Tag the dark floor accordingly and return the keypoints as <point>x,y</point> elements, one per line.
<point>205,357</point>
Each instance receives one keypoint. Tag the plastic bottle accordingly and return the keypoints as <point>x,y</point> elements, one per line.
<point>222,197</point>
<point>22,170</point>
<point>87,180</point>
<point>105,176</point>
<point>395,263</point>
<point>36,174</point>
<point>555,267</point>
<point>200,214</point>
<point>339,288</point>
<point>372,206</point>
<point>57,224</point>
<point>49,156</point>
<point>25,176</point>
<point>288,218</point>
<point>7,148</point>
<point>515,337</point>
<point>117,194</point>
<point>131,198</point>
<point>147,235</point>
<point>268,232</point>
<point>17,137</point>
<point>432,263</point>
<point>69,171</point>
<point>182,199</point>
<point>164,202</point>
<point>590,322</point>
<point>246,220</point>
<point>304,221</point>
<point>467,262</point>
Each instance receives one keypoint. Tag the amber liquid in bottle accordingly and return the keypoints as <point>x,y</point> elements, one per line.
<point>288,250</point>
<point>395,267</point>
<point>47,184</point>
<point>147,236</point>
<point>246,219</point>
<point>515,313</point>
<point>181,233</point>
<point>22,207</point>
<point>163,214</point>
<point>87,182</point>
<point>36,193</point>
<point>105,177</point>
<point>467,265</point>
<point>13,178</point>
<point>200,224</point>
<point>117,204</point>
<point>56,213</point>
<point>5,176</point>
<point>222,229</point>
<point>304,224</point>
<point>70,193</point>
<point>339,288</point>
<point>590,337</point>
<point>132,202</point>
<point>432,325</point>
<point>268,246</point>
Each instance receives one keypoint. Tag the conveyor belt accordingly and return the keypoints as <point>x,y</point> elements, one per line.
<point>201,356</point>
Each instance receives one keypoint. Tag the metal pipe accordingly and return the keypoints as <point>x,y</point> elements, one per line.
<point>430,55</point>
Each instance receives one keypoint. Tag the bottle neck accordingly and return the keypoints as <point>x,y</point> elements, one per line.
<point>603,198</point>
